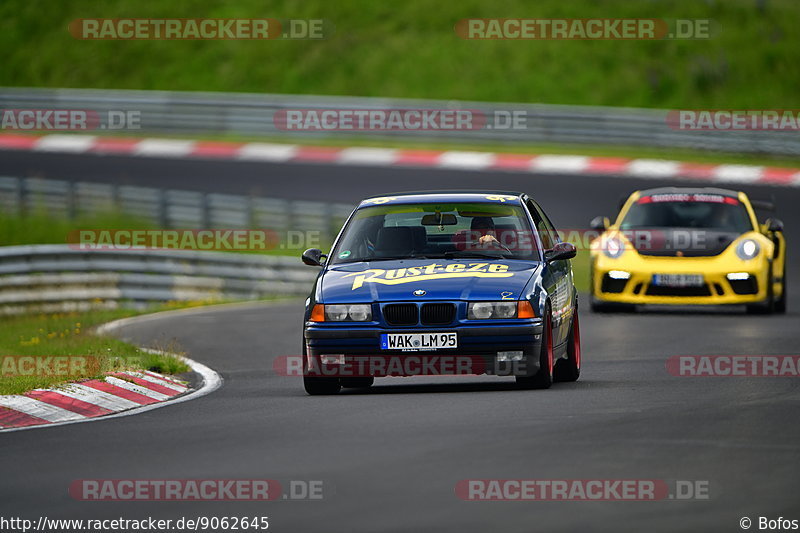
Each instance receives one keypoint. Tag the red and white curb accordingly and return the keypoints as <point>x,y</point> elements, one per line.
<point>452,159</point>
<point>74,402</point>
<point>118,394</point>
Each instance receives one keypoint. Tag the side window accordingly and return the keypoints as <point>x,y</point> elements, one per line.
<point>547,232</point>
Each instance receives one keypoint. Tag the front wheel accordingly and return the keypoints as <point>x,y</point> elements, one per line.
<point>363,382</point>
<point>767,307</point>
<point>317,386</point>
<point>321,386</point>
<point>544,377</point>
<point>780,303</point>
<point>569,369</point>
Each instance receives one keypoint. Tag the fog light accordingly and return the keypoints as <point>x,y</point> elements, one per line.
<point>510,356</point>
<point>619,274</point>
<point>332,359</point>
<point>738,276</point>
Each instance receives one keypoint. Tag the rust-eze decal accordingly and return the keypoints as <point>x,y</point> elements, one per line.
<point>432,271</point>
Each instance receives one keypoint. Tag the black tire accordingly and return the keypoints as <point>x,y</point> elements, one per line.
<point>767,307</point>
<point>544,377</point>
<point>357,383</point>
<point>569,369</point>
<point>321,386</point>
<point>780,303</point>
<point>316,386</point>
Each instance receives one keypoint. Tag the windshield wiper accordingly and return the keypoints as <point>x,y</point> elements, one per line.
<point>396,257</point>
<point>456,255</point>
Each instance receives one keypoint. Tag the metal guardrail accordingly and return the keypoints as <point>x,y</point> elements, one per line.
<point>171,208</point>
<point>48,278</point>
<point>253,115</point>
<point>51,278</point>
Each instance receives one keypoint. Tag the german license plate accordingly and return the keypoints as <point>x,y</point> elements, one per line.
<point>678,280</point>
<point>418,341</point>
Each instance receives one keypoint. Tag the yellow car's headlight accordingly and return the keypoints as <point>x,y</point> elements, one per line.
<point>747,249</point>
<point>613,247</point>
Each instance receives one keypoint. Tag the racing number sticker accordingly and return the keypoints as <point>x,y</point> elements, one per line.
<point>378,201</point>
<point>500,197</point>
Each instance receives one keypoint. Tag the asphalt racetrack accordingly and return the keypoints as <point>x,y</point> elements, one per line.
<point>390,458</point>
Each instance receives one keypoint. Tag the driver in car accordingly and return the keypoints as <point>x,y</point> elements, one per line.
<point>483,231</point>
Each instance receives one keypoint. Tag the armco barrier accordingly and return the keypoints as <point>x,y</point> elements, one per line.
<point>171,208</point>
<point>253,115</point>
<point>51,278</point>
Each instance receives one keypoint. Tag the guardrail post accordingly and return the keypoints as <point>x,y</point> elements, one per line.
<point>116,203</point>
<point>328,229</point>
<point>205,212</point>
<point>72,208</point>
<point>24,200</point>
<point>163,216</point>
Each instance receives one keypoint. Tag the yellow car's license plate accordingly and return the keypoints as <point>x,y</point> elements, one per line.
<point>678,280</point>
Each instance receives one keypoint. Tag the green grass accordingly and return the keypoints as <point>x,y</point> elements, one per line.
<point>42,228</point>
<point>409,49</point>
<point>70,334</point>
<point>580,271</point>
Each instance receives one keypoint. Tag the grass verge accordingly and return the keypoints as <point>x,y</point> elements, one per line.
<point>410,49</point>
<point>71,334</point>
<point>39,227</point>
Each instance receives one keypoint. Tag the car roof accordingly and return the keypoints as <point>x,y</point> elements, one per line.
<point>689,190</point>
<point>487,196</point>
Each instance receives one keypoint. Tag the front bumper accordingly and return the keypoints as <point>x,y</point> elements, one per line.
<point>717,289</point>
<point>477,344</point>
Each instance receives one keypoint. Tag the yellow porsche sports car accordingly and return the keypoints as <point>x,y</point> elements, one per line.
<point>687,246</point>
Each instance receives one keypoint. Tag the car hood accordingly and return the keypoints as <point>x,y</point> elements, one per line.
<point>388,281</point>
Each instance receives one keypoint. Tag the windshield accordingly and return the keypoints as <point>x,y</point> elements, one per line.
<point>455,230</point>
<point>702,211</point>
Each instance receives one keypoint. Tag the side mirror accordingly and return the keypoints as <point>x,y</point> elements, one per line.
<point>562,250</point>
<point>773,224</point>
<point>600,223</point>
<point>314,257</point>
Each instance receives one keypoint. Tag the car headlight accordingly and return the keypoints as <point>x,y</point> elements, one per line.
<point>360,312</point>
<point>483,310</point>
<point>747,249</point>
<point>342,312</point>
<point>613,248</point>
